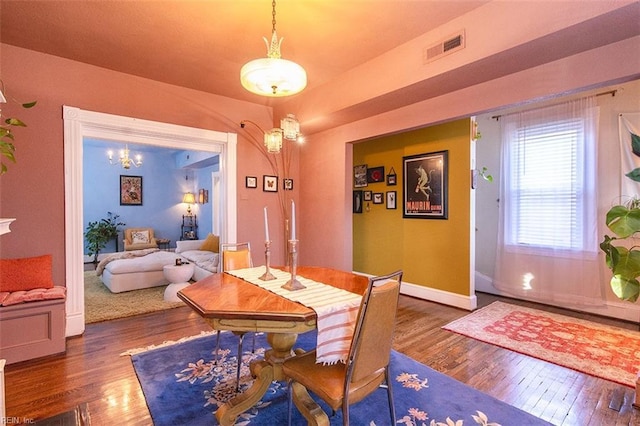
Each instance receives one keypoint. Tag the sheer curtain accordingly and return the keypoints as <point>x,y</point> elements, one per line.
<point>548,235</point>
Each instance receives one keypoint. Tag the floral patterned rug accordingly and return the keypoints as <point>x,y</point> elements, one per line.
<point>182,385</point>
<point>599,350</point>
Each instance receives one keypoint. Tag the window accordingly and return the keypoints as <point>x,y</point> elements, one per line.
<point>547,186</point>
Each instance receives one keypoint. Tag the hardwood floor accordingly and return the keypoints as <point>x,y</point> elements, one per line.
<point>93,372</point>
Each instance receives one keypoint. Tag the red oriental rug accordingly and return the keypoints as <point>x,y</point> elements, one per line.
<point>599,350</point>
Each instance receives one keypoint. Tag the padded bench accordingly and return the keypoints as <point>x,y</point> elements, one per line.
<point>32,310</point>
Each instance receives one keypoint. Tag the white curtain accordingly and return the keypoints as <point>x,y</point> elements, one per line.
<point>548,235</point>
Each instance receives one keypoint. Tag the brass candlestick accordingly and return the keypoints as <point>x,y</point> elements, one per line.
<point>293,284</point>
<point>267,276</point>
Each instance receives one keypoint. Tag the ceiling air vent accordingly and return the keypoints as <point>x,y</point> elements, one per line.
<point>444,47</point>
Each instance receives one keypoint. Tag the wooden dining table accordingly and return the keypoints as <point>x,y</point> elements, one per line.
<point>226,302</point>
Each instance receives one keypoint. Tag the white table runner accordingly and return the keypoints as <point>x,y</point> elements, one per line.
<point>336,309</point>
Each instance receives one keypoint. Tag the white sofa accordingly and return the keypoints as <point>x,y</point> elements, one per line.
<point>205,262</point>
<point>137,272</point>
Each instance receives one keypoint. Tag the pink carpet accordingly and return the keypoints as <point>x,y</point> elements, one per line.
<point>599,350</point>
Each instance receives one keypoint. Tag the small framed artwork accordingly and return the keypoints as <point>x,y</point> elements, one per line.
<point>203,196</point>
<point>391,199</point>
<point>391,177</point>
<point>269,183</point>
<point>377,198</point>
<point>425,186</point>
<point>360,176</point>
<point>287,184</point>
<point>251,182</point>
<point>130,190</point>
<point>368,195</point>
<point>357,201</point>
<point>375,174</point>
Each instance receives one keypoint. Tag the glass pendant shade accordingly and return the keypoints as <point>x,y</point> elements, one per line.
<point>290,127</point>
<point>273,140</point>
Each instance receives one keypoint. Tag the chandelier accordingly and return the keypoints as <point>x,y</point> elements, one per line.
<point>289,129</point>
<point>124,158</point>
<point>273,76</point>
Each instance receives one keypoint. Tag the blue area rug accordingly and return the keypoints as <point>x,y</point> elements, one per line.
<point>182,386</point>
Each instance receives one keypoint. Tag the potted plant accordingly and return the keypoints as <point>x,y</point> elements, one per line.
<point>624,258</point>
<point>100,232</point>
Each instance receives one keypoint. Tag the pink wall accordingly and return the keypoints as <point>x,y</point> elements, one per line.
<point>33,189</point>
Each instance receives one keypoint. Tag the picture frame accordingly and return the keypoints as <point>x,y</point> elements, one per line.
<point>375,174</point>
<point>269,183</point>
<point>357,201</point>
<point>251,182</point>
<point>377,198</point>
<point>425,186</point>
<point>392,196</point>
<point>130,190</point>
<point>360,176</point>
<point>203,196</point>
<point>287,184</point>
<point>391,177</point>
<point>368,195</point>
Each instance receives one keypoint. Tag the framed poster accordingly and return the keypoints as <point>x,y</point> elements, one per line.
<point>391,199</point>
<point>360,175</point>
<point>425,186</point>
<point>130,190</point>
<point>287,184</point>
<point>368,195</point>
<point>377,198</point>
<point>269,183</point>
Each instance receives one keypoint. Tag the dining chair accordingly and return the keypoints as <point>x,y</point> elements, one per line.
<point>367,366</point>
<point>235,256</point>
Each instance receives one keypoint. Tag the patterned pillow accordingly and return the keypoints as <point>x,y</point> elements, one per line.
<point>140,237</point>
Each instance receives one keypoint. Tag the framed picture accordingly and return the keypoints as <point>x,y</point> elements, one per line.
<point>251,182</point>
<point>130,190</point>
<point>391,199</point>
<point>375,174</point>
<point>425,186</point>
<point>287,184</point>
<point>360,176</point>
<point>357,201</point>
<point>391,177</point>
<point>269,183</point>
<point>377,198</point>
<point>368,195</point>
<point>203,196</point>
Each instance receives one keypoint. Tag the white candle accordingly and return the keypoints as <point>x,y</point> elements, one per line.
<point>266,225</point>
<point>293,220</point>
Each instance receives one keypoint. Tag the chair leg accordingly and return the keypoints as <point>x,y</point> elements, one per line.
<point>217,347</point>
<point>345,410</point>
<point>392,408</point>
<point>289,401</point>
<point>240,338</point>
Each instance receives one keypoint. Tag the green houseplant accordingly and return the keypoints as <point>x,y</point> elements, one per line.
<point>7,148</point>
<point>621,252</point>
<point>100,232</point>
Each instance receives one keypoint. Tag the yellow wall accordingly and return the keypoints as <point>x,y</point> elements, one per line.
<point>432,252</point>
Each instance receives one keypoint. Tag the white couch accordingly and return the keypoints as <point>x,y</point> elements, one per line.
<point>136,272</point>
<point>205,262</point>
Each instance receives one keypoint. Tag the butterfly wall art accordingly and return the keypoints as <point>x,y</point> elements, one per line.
<point>269,183</point>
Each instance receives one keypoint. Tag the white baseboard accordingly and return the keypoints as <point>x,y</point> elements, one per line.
<point>434,295</point>
<point>613,309</point>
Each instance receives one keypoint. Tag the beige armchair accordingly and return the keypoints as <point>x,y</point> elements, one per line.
<point>139,238</point>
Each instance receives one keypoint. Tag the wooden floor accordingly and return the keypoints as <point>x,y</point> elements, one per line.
<point>93,372</point>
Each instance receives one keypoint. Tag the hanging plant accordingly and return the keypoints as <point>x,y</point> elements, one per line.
<point>7,148</point>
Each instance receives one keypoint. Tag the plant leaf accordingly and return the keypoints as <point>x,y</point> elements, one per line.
<point>29,104</point>
<point>625,289</point>
<point>635,144</point>
<point>622,221</point>
<point>634,175</point>
<point>14,122</point>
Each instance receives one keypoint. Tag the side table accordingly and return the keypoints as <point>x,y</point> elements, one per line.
<point>178,276</point>
<point>163,243</point>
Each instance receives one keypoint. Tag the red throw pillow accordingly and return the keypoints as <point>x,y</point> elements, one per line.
<point>26,273</point>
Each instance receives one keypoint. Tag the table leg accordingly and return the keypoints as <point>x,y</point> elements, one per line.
<point>264,372</point>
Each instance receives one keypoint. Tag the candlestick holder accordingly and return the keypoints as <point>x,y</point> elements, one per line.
<point>267,276</point>
<point>293,284</point>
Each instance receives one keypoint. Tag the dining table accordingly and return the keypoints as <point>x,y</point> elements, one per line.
<point>227,302</point>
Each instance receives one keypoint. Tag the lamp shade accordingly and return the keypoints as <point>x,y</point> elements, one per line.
<point>189,198</point>
<point>273,77</point>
